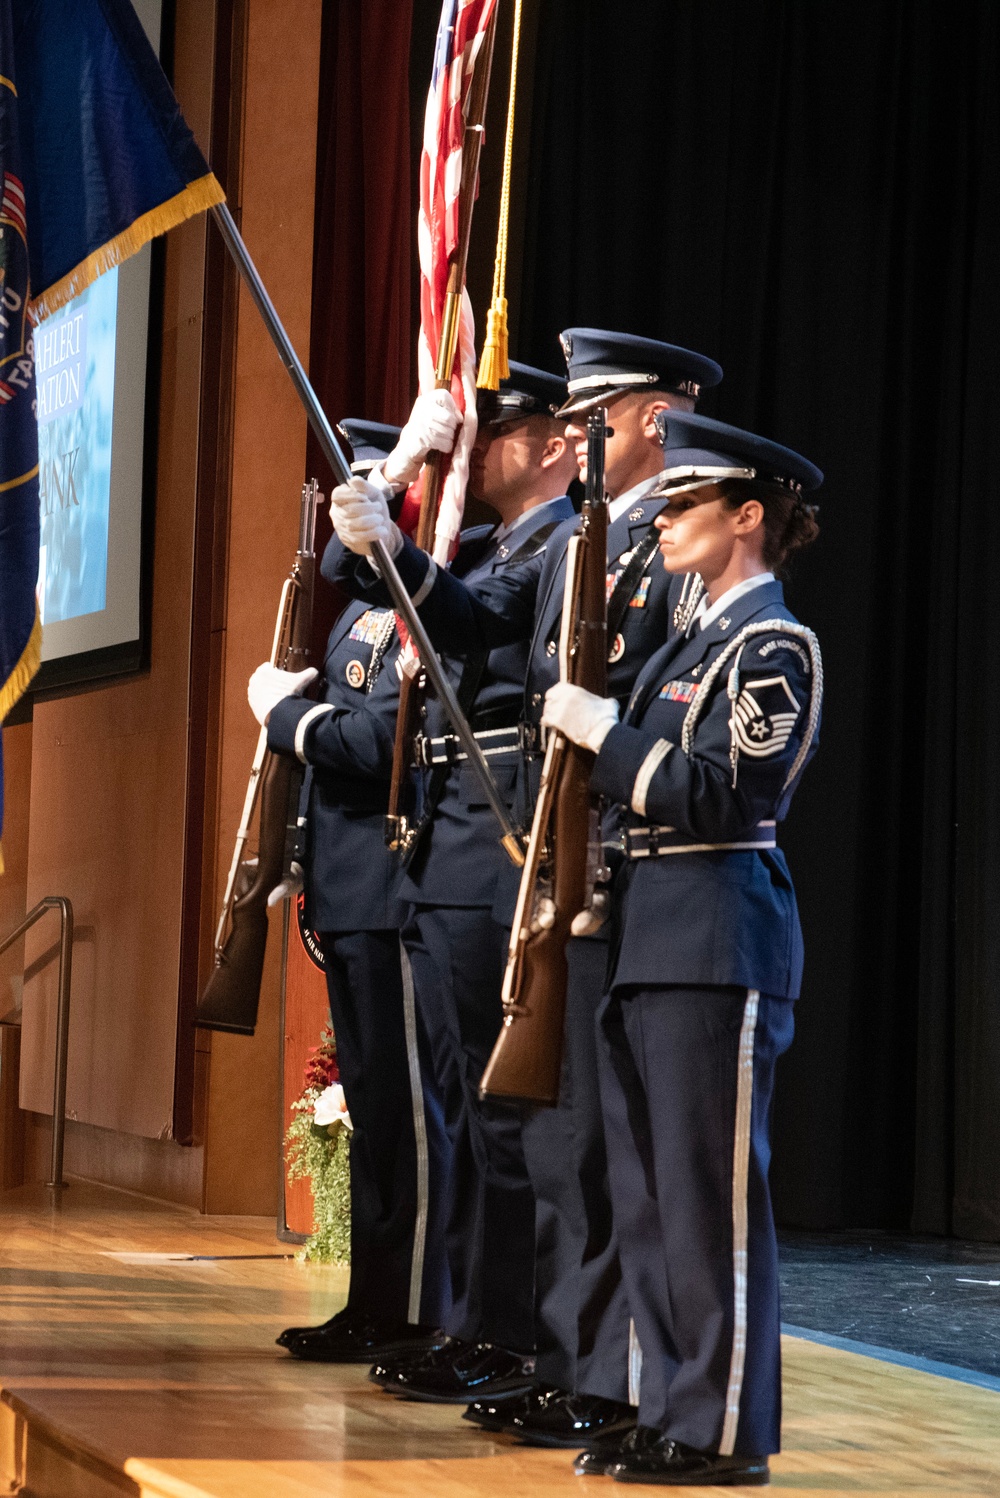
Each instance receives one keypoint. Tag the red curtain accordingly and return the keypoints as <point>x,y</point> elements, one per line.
<point>361,357</point>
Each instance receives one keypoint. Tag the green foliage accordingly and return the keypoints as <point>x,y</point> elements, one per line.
<point>322,1156</point>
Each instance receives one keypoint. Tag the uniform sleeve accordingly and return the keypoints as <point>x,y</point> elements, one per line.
<point>695,793</point>
<point>355,741</point>
<point>460,617</point>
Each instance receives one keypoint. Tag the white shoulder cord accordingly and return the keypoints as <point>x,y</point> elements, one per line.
<point>735,649</point>
<point>692,592</point>
<point>379,648</point>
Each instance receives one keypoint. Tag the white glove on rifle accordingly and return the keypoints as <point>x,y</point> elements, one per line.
<point>582,716</point>
<point>268,686</point>
<point>431,427</point>
<point>360,517</point>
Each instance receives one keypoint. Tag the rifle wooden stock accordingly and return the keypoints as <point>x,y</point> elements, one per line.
<point>527,1058</point>
<point>232,993</point>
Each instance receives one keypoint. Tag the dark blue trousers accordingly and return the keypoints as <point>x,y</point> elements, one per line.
<point>457,955</point>
<point>400,1155</point>
<point>687,1076</point>
<point>581,1311</point>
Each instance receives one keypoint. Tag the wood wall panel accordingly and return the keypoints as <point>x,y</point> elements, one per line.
<point>276,196</point>
<point>14,879</point>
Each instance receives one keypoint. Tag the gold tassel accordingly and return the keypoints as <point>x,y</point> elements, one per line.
<point>195,198</point>
<point>493,366</point>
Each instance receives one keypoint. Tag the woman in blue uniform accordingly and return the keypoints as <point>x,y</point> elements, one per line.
<point>706,954</point>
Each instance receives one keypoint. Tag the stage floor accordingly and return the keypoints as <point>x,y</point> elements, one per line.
<point>160,1378</point>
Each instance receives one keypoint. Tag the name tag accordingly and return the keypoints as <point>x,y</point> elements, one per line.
<point>369,627</point>
<point>679,691</point>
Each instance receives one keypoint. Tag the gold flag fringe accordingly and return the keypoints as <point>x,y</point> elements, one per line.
<point>493,366</point>
<point>19,679</point>
<point>199,195</point>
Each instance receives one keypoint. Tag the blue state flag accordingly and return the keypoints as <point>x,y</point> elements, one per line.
<point>95,161</point>
<point>20,629</point>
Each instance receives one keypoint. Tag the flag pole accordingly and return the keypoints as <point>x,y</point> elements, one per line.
<point>334,455</point>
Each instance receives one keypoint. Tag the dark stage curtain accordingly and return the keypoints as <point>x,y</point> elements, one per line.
<point>809,192</point>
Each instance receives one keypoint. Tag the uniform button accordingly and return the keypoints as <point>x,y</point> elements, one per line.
<point>536,698</point>
<point>551,648</point>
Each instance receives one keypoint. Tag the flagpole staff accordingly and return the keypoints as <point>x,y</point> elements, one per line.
<point>436,464</point>
<point>334,455</point>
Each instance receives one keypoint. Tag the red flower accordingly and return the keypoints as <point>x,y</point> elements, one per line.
<point>322,1069</point>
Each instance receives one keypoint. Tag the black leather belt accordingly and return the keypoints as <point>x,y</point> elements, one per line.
<point>657,842</point>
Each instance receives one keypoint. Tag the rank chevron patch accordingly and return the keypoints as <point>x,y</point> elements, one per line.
<point>764,716</point>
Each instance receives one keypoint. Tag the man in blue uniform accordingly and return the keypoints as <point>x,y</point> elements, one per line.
<point>522,465</point>
<point>399,1287</point>
<point>707,956</point>
<point>583,1332</point>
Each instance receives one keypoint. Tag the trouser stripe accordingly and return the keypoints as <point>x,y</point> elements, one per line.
<point>420,1136</point>
<point>741,1170</point>
<point>634,1364</point>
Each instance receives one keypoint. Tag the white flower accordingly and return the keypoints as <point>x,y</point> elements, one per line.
<point>331,1108</point>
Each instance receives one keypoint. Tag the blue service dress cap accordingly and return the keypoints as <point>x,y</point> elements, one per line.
<point>602,365</point>
<point>698,448</point>
<point>525,392</point>
<point>371,442</point>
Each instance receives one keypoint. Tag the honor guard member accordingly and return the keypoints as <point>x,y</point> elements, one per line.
<point>707,956</point>
<point>586,1350</point>
<point>399,1286</point>
<point>521,465</point>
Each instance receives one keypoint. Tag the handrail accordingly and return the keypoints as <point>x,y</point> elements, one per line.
<point>65,908</point>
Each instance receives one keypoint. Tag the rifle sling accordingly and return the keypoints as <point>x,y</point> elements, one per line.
<point>627,583</point>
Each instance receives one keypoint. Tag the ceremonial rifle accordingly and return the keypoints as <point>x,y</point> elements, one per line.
<point>232,993</point>
<point>399,831</point>
<point>563,857</point>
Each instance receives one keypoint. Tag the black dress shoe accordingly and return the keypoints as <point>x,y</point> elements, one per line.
<point>360,1339</point>
<point>606,1452</point>
<point>495,1414</point>
<point>461,1373</point>
<point>385,1371</point>
<point>676,1465</point>
<point>289,1335</point>
<point>504,1414</point>
<point>555,1418</point>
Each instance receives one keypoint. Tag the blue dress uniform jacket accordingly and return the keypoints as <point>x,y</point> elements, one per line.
<point>352,876</point>
<point>721,915</point>
<point>645,623</point>
<point>459,858</point>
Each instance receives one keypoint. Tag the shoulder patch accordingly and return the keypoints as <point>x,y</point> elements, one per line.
<point>793,646</point>
<point>763,717</point>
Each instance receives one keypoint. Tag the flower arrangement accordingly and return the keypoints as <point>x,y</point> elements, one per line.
<point>317,1147</point>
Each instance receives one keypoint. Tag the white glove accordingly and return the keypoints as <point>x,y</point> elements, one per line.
<point>433,423</point>
<point>360,517</point>
<point>583,717</point>
<point>290,887</point>
<point>268,686</point>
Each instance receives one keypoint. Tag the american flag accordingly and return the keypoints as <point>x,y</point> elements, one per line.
<point>12,203</point>
<point>460,36</point>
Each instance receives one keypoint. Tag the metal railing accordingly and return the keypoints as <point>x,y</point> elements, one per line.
<point>60,903</point>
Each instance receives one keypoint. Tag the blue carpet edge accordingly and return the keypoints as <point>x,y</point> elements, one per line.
<point>890,1355</point>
